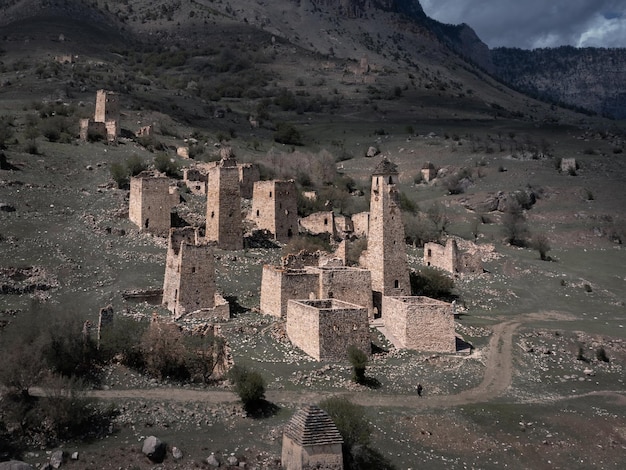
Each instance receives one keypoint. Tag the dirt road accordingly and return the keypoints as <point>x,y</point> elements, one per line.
<point>497,378</point>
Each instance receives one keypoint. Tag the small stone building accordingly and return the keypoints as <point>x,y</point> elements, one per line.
<point>311,441</point>
<point>152,198</point>
<point>223,216</point>
<point>281,284</point>
<point>275,208</point>
<point>420,323</point>
<point>326,328</point>
<point>196,180</point>
<point>360,224</point>
<point>105,123</point>
<point>189,283</point>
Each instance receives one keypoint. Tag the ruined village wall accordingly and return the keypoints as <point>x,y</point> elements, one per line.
<point>319,222</point>
<point>279,285</point>
<point>442,257</point>
<point>223,220</point>
<point>197,279</point>
<point>248,175</point>
<point>420,323</point>
<point>360,224</point>
<point>303,327</point>
<point>352,285</point>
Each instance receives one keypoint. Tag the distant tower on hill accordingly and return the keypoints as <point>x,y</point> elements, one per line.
<point>386,249</point>
<point>223,215</point>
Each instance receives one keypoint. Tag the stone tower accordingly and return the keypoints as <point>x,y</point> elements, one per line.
<point>189,283</point>
<point>386,250</point>
<point>107,106</point>
<point>223,214</point>
<point>311,441</point>
<point>275,208</point>
<point>151,202</point>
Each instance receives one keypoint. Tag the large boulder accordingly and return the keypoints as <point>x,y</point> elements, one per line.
<point>213,461</point>
<point>56,458</point>
<point>154,449</point>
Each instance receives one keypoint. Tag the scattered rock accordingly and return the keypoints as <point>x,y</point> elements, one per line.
<point>177,454</point>
<point>57,458</point>
<point>372,152</point>
<point>74,456</point>
<point>154,449</point>
<point>232,461</point>
<point>212,461</point>
<point>15,465</point>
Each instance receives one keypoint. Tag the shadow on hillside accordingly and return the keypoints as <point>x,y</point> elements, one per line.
<point>371,382</point>
<point>236,308</point>
<point>262,409</point>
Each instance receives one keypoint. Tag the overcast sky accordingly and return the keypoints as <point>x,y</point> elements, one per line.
<point>529,24</point>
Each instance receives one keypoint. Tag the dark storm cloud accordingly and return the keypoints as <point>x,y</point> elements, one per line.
<point>537,23</point>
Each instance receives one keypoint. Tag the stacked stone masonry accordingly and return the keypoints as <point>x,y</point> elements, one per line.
<point>326,328</point>
<point>189,283</point>
<point>223,219</point>
<point>105,123</point>
<point>311,441</point>
<point>279,285</point>
<point>151,201</point>
<point>275,208</point>
<point>442,257</point>
<point>420,323</point>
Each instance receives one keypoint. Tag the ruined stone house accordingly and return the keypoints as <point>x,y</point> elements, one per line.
<point>275,208</point>
<point>248,175</point>
<point>196,180</point>
<point>360,224</point>
<point>223,217</point>
<point>442,257</point>
<point>325,328</point>
<point>319,222</point>
<point>152,198</point>
<point>280,284</point>
<point>386,249</point>
<point>450,259</point>
<point>189,288</point>
<point>428,171</point>
<point>144,131</point>
<point>420,323</point>
<point>311,441</point>
<point>105,123</point>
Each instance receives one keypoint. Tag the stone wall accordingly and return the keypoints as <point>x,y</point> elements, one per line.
<point>189,281</point>
<point>319,457</point>
<point>324,329</point>
<point>223,220</point>
<point>196,180</point>
<point>420,323</point>
<point>275,208</point>
<point>151,202</point>
<point>361,224</point>
<point>442,257</point>
<point>568,165</point>
<point>278,285</point>
<point>319,222</point>
<point>248,175</point>
<point>107,106</point>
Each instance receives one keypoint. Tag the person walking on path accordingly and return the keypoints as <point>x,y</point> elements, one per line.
<point>419,390</point>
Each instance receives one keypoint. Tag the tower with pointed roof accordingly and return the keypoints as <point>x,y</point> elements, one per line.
<point>311,441</point>
<point>223,214</point>
<point>386,249</point>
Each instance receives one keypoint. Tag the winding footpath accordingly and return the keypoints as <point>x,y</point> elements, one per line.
<point>496,380</point>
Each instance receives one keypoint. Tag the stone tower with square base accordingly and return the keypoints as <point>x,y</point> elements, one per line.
<point>386,250</point>
<point>275,208</point>
<point>189,283</point>
<point>151,202</point>
<point>223,214</point>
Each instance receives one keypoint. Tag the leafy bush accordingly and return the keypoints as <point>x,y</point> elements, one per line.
<point>431,283</point>
<point>163,350</point>
<point>165,164</point>
<point>135,165</point>
<point>249,385</point>
<point>601,355</point>
<point>358,359</point>
<point>119,173</point>
<point>287,134</point>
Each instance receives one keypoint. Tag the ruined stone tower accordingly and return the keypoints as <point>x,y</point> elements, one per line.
<point>107,106</point>
<point>151,202</point>
<point>223,215</point>
<point>275,208</point>
<point>189,283</point>
<point>386,250</point>
<point>106,121</point>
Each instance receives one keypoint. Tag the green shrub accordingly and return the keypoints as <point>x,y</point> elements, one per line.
<point>287,134</point>
<point>119,173</point>
<point>431,283</point>
<point>165,164</point>
<point>249,385</point>
<point>135,165</point>
<point>601,354</point>
<point>358,359</point>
